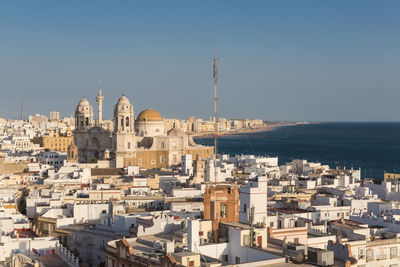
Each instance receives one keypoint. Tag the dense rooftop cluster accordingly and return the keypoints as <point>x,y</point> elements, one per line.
<point>242,210</point>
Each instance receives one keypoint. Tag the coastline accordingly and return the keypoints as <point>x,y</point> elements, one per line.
<point>266,128</point>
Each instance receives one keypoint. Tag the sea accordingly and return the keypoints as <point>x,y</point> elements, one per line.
<point>373,147</point>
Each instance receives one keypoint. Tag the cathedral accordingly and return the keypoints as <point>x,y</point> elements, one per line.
<point>127,141</point>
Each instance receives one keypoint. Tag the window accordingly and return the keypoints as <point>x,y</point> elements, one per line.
<point>162,145</point>
<point>162,159</point>
<point>370,255</point>
<point>103,212</point>
<point>296,240</point>
<point>361,253</point>
<point>129,145</point>
<point>127,121</point>
<point>201,233</point>
<point>393,252</point>
<point>87,121</point>
<point>244,208</point>
<point>271,224</point>
<point>237,260</point>
<point>223,210</point>
<point>381,254</point>
<point>122,122</point>
<point>225,258</point>
<point>246,240</point>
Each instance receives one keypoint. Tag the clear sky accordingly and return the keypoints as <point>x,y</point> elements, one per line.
<point>279,60</point>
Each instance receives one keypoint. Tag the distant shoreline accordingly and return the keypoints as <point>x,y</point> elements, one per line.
<point>267,128</point>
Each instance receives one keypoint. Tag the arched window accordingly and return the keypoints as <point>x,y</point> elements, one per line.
<point>82,122</point>
<point>87,121</point>
<point>122,122</point>
<point>127,121</point>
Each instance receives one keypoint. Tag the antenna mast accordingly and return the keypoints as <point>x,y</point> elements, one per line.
<point>215,76</point>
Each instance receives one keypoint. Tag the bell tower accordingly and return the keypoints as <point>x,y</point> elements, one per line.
<point>83,115</point>
<point>124,140</point>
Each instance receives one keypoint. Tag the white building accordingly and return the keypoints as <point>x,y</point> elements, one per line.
<point>253,195</point>
<point>53,158</point>
<point>187,164</point>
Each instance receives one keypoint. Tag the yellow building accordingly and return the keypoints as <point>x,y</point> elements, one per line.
<point>391,176</point>
<point>56,142</point>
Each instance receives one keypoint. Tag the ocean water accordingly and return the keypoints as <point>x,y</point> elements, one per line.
<point>373,147</point>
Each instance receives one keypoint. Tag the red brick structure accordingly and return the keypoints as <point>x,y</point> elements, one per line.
<point>221,204</point>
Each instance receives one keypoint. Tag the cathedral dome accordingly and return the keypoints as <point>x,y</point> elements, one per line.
<point>84,106</point>
<point>149,115</point>
<point>84,103</point>
<point>123,100</point>
<point>123,106</point>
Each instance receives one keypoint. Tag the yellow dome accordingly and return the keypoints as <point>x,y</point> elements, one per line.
<point>149,115</point>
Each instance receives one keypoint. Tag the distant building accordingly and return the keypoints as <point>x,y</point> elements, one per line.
<point>391,176</point>
<point>54,116</point>
<point>38,121</point>
<point>55,141</point>
<point>7,167</point>
<point>53,158</point>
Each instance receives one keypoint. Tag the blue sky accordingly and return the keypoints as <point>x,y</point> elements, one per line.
<point>279,60</point>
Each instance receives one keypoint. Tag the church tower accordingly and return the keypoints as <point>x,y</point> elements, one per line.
<point>124,141</point>
<point>83,122</point>
<point>99,100</point>
<point>83,115</point>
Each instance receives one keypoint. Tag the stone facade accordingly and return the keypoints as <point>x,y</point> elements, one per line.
<point>143,142</point>
<point>11,167</point>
